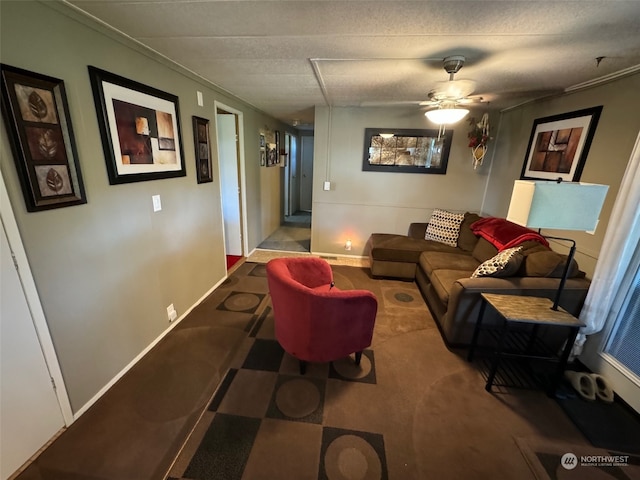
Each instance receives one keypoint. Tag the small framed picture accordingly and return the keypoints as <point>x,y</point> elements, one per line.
<point>39,126</point>
<point>202,149</point>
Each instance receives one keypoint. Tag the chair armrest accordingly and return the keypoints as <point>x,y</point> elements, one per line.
<point>339,307</point>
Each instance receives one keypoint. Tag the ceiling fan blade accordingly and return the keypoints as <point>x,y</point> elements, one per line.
<point>389,103</point>
<point>453,89</point>
<point>469,100</point>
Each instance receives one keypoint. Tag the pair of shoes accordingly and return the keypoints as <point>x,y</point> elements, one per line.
<point>590,385</point>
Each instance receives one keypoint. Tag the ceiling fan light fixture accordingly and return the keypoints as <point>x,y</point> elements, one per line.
<point>386,135</point>
<point>446,116</point>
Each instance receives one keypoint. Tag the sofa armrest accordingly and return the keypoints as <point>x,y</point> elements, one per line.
<point>417,230</point>
<point>464,299</point>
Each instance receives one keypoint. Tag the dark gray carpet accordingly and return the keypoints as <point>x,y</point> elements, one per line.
<point>606,425</point>
<point>565,461</point>
<point>413,410</point>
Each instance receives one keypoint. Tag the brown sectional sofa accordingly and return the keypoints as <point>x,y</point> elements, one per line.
<point>443,274</point>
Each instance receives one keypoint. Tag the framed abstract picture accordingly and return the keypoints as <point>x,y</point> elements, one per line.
<point>39,127</point>
<point>140,128</point>
<point>559,145</point>
<point>202,149</point>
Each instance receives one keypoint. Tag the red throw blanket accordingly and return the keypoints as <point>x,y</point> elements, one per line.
<point>505,234</point>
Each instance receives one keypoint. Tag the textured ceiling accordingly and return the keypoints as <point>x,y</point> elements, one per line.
<point>287,56</point>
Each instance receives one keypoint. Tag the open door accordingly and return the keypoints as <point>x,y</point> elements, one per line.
<point>228,125</point>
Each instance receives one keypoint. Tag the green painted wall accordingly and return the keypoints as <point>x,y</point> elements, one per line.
<point>360,203</point>
<point>107,270</point>
<point>606,162</point>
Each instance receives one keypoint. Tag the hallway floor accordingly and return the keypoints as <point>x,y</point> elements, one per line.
<point>293,236</point>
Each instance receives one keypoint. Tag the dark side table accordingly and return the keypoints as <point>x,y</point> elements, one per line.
<point>522,310</point>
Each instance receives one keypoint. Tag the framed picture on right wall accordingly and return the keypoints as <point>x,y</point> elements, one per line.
<point>559,145</point>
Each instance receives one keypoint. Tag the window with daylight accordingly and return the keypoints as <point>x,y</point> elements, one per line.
<point>625,337</point>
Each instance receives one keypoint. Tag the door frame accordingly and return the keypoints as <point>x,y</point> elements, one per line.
<point>242,181</point>
<point>33,301</point>
<point>304,153</point>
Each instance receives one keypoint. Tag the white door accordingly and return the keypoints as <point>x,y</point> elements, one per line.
<point>228,160</point>
<point>29,408</point>
<point>306,168</point>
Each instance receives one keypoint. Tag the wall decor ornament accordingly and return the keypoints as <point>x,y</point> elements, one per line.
<point>263,150</point>
<point>406,150</point>
<point>559,145</point>
<point>269,148</point>
<point>140,128</point>
<point>41,136</point>
<point>202,141</point>
<point>478,139</point>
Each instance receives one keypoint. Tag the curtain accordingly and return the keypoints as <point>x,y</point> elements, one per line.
<point>618,248</point>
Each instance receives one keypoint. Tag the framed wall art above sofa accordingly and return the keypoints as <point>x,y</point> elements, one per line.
<point>406,150</point>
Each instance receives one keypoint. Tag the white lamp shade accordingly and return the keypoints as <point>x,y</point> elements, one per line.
<point>446,116</point>
<point>564,205</point>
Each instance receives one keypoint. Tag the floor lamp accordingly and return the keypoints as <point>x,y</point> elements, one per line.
<point>557,205</point>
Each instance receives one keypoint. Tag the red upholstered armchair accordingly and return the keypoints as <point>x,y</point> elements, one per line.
<point>314,320</point>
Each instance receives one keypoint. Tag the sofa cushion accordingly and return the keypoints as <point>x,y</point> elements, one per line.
<point>444,227</point>
<point>400,248</point>
<point>430,261</point>
<point>467,239</point>
<point>504,264</point>
<point>547,263</point>
<point>483,250</point>
<point>443,279</point>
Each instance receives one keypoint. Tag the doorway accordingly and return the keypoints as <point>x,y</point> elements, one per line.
<point>230,164</point>
<point>294,234</point>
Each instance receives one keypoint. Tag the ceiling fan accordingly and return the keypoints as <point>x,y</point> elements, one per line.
<point>446,95</point>
<point>452,91</point>
<point>450,97</point>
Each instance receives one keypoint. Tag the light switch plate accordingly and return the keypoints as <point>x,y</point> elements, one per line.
<point>200,99</point>
<point>157,204</point>
<point>327,186</point>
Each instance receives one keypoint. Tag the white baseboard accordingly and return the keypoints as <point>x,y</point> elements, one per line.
<point>120,374</point>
